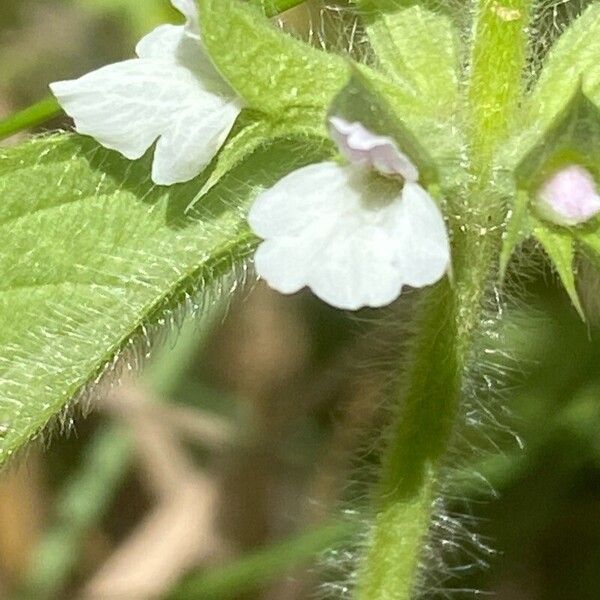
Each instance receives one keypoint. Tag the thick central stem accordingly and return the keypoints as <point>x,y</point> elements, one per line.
<point>449,318</point>
<point>498,57</point>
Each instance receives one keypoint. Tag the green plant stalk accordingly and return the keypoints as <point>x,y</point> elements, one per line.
<point>32,116</point>
<point>47,109</point>
<point>415,446</point>
<point>497,61</point>
<point>447,324</point>
<point>249,572</point>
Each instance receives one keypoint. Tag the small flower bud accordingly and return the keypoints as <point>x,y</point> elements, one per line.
<point>569,196</point>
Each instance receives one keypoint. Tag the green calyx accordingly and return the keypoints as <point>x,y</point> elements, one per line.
<point>572,138</point>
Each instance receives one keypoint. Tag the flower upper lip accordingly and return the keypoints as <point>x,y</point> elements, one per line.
<point>366,149</point>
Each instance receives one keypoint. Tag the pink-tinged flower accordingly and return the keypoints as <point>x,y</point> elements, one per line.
<point>569,196</point>
<point>376,152</point>
<point>171,94</point>
<point>353,237</point>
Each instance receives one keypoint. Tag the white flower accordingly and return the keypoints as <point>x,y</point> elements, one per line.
<point>352,236</point>
<point>569,196</point>
<point>171,93</point>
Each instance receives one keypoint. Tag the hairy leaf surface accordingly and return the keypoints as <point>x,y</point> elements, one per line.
<point>418,48</point>
<point>92,253</point>
<point>573,56</point>
<point>518,229</point>
<point>272,71</point>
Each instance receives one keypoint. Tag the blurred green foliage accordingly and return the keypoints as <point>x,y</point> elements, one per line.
<point>140,16</point>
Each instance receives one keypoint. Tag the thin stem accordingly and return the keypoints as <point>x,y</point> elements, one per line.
<point>249,572</point>
<point>32,116</point>
<point>416,443</point>
<point>448,321</point>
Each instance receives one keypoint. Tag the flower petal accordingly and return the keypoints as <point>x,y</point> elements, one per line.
<point>162,43</point>
<point>356,268</point>
<point>123,105</point>
<point>290,274</point>
<point>299,200</point>
<point>172,43</point>
<point>181,152</point>
<point>189,10</point>
<point>129,105</point>
<point>365,149</point>
<point>172,94</point>
<point>355,240</point>
<point>423,245</point>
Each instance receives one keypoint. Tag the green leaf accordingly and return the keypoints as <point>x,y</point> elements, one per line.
<point>86,495</point>
<point>559,245</point>
<point>93,253</point>
<point>573,56</point>
<point>518,229</point>
<point>590,240</point>
<point>588,243</point>
<point>418,48</point>
<point>269,69</point>
<point>243,141</point>
<point>571,69</point>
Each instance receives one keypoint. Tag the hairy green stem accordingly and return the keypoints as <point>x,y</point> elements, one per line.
<point>249,572</point>
<point>32,116</point>
<point>498,57</point>
<point>448,321</point>
<point>415,446</point>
